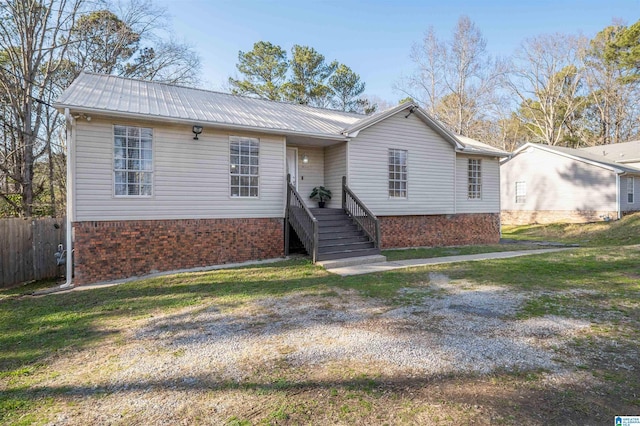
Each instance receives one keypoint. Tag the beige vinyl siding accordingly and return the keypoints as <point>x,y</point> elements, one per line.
<point>311,174</point>
<point>431,162</point>
<point>490,196</point>
<point>190,178</point>
<point>625,206</point>
<point>335,166</point>
<point>557,183</point>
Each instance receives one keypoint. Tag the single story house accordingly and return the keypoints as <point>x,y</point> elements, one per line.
<point>163,178</point>
<point>547,184</point>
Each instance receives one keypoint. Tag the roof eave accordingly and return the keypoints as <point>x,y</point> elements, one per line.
<point>574,157</point>
<point>215,124</point>
<point>467,151</point>
<point>415,109</point>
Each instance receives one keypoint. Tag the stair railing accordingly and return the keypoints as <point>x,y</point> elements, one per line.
<point>363,217</point>
<point>302,221</point>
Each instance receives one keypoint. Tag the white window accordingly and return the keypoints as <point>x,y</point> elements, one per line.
<point>521,192</point>
<point>244,154</point>
<point>474,179</point>
<point>132,161</point>
<point>630,188</point>
<point>398,173</point>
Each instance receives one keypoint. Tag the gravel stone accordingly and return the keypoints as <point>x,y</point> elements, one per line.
<point>448,328</point>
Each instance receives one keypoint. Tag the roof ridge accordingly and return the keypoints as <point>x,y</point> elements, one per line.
<point>180,86</point>
<point>583,155</point>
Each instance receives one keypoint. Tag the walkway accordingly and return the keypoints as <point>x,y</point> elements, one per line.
<point>410,263</point>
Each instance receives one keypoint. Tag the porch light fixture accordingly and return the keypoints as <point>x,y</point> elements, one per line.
<point>196,131</point>
<point>305,159</point>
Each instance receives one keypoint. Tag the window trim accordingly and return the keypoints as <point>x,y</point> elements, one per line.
<point>151,172</point>
<point>232,139</point>
<point>478,184</point>
<point>523,194</point>
<point>406,173</point>
<point>631,185</point>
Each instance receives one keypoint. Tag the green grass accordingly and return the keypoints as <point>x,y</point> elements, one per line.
<point>615,233</point>
<point>592,282</point>
<point>431,252</point>
<point>28,288</point>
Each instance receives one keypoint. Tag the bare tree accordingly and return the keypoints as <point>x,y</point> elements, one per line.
<point>30,37</point>
<point>456,80</point>
<point>427,84</point>
<point>546,79</point>
<point>612,95</point>
<point>128,40</point>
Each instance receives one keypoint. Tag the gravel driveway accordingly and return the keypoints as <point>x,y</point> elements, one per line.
<point>440,328</point>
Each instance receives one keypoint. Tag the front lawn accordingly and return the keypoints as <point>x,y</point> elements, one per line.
<point>543,339</point>
<point>599,234</point>
<point>431,252</point>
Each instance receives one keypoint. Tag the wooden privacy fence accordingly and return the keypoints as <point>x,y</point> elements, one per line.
<point>27,248</point>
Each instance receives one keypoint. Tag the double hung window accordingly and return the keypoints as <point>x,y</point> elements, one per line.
<point>474,180</point>
<point>397,173</point>
<point>132,161</point>
<point>244,163</point>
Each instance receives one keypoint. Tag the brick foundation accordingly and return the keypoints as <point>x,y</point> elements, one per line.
<point>112,250</point>
<point>526,217</point>
<point>439,230</point>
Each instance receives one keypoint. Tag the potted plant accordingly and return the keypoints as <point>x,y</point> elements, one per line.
<point>321,194</point>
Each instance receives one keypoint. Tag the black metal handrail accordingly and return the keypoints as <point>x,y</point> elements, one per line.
<point>302,221</point>
<point>363,217</point>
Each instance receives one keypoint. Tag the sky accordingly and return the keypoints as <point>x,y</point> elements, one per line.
<point>374,38</point>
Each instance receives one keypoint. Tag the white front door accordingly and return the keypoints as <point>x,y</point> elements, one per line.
<point>292,165</point>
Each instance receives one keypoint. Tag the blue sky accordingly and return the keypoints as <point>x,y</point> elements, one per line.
<point>374,38</point>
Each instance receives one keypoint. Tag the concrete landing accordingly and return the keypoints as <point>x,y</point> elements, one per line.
<point>359,269</point>
<point>351,261</point>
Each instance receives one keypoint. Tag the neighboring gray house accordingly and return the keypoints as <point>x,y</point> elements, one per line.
<point>146,195</point>
<point>626,153</point>
<point>546,184</point>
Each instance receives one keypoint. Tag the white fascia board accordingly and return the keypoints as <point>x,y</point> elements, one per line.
<point>483,153</point>
<point>374,119</point>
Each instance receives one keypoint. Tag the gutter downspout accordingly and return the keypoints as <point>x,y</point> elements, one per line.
<point>618,207</point>
<point>70,123</point>
<point>455,182</point>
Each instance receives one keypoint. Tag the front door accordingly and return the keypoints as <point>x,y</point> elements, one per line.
<point>292,165</point>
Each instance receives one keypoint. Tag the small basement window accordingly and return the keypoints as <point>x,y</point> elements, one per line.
<point>521,192</point>
<point>132,161</point>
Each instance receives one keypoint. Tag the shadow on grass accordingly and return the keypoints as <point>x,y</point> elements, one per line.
<point>33,328</point>
<point>619,232</point>
<point>510,398</point>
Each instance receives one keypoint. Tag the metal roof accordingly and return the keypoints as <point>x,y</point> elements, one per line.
<point>472,146</point>
<point>110,94</point>
<point>117,96</point>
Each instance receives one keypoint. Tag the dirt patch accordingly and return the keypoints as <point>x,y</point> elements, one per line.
<point>353,359</point>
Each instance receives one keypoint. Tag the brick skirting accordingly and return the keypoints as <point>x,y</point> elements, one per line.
<point>110,250</point>
<point>526,217</point>
<point>439,230</point>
